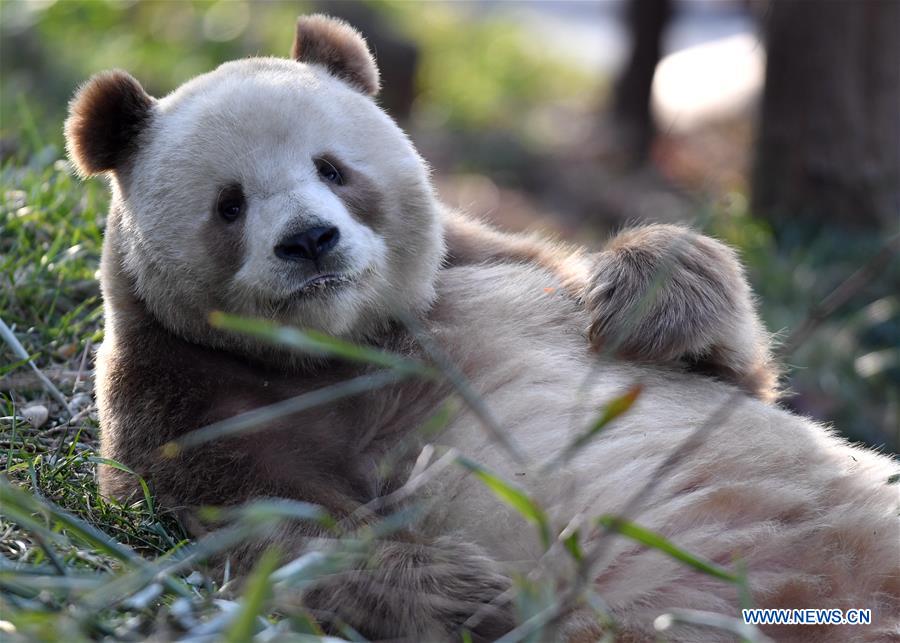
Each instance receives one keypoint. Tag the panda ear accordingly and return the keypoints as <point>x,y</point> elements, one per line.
<point>327,41</point>
<point>105,117</point>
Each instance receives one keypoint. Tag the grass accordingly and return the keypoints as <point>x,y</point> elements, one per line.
<point>50,248</point>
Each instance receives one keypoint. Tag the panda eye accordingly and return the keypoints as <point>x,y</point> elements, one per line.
<point>329,172</point>
<point>231,203</point>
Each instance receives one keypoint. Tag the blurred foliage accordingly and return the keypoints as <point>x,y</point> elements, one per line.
<point>472,73</point>
<point>49,48</point>
<point>479,73</point>
<point>848,372</point>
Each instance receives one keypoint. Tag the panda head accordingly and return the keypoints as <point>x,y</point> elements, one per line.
<point>269,187</point>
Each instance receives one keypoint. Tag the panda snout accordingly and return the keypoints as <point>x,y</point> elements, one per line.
<point>312,244</point>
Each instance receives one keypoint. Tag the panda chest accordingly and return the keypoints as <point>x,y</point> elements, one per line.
<point>292,429</point>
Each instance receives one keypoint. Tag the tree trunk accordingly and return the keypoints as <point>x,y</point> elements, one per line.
<point>829,140</point>
<point>631,107</point>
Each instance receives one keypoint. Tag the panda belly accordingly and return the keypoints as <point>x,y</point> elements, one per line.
<point>521,345</point>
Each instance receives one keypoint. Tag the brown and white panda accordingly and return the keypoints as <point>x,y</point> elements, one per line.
<point>278,189</point>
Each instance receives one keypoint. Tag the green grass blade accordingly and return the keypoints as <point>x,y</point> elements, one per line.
<point>316,343</point>
<point>656,541</point>
<point>37,583</point>
<point>148,498</point>
<point>19,351</point>
<point>270,511</point>
<point>256,419</point>
<point>611,411</point>
<point>26,520</point>
<point>572,546</point>
<point>701,619</point>
<point>12,496</point>
<point>512,496</point>
<point>9,368</point>
<point>252,518</point>
<point>256,596</point>
<point>745,596</point>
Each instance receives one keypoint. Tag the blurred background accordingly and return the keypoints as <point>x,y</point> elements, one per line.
<point>774,125</point>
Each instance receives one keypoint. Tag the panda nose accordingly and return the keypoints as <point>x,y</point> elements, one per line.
<point>311,244</point>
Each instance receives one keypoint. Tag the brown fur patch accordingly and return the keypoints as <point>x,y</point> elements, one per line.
<point>105,118</point>
<point>332,43</point>
<point>470,241</point>
<point>223,243</point>
<point>362,197</point>
<point>448,581</point>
